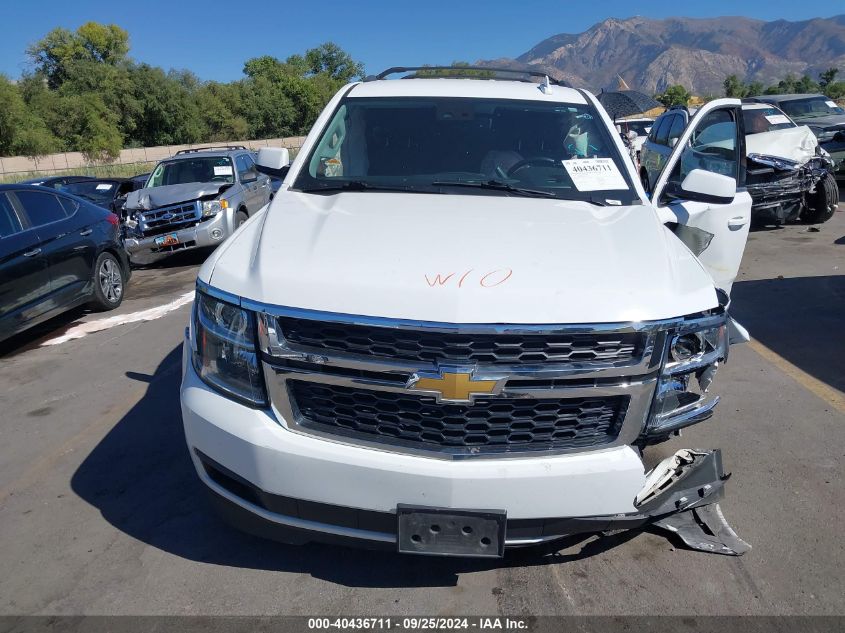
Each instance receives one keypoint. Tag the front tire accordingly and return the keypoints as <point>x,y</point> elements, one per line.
<point>240,218</point>
<point>109,283</point>
<point>822,204</point>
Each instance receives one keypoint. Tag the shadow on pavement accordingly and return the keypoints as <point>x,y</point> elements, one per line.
<point>141,479</point>
<point>798,318</point>
<point>34,336</point>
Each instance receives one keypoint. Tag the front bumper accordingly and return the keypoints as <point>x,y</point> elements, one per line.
<point>143,250</point>
<point>288,486</point>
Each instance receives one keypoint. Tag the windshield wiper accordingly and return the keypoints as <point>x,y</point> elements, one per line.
<point>496,185</point>
<point>352,185</point>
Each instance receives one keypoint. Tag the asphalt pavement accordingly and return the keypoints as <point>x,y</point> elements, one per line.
<point>101,512</point>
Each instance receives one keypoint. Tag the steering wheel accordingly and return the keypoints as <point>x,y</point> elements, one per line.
<point>537,160</point>
<point>220,179</point>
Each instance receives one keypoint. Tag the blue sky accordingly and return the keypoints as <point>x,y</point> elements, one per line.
<point>213,38</point>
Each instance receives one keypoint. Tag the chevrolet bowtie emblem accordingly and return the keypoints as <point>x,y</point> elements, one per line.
<point>454,385</point>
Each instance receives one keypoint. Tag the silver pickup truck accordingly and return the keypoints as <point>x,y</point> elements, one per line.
<point>194,199</point>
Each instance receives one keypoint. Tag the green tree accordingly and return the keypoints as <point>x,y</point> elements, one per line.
<point>734,87</point>
<point>674,95</point>
<point>21,130</point>
<point>754,88</point>
<point>333,61</point>
<point>92,42</point>
<point>87,126</point>
<point>827,77</point>
<point>84,93</point>
<point>829,86</point>
<point>806,84</point>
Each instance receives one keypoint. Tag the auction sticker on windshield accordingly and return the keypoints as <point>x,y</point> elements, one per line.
<point>222,170</point>
<point>104,187</point>
<point>777,119</point>
<point>594,174</point>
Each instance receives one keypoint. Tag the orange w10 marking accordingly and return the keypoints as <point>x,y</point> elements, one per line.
<point>486,280</point>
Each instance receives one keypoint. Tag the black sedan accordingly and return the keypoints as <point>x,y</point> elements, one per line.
<point>109,193</point>
<point>55,182</point>
<point>56,252</point>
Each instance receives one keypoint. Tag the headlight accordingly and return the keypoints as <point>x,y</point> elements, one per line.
<point>224,349</point>
<point>694,353</point>
<point>213,207</point>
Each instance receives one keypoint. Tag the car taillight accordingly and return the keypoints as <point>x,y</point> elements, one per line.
<point>112,219</point>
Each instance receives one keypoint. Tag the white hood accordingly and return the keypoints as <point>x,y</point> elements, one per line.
<point>462,259</point>
<point>795,143</point>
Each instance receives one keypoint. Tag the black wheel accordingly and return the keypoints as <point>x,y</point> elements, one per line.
<point>240,218</point>
<point>821,204</point>
<point>108,283</point>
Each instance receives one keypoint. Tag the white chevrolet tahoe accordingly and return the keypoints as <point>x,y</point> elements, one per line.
<point>461,320</point>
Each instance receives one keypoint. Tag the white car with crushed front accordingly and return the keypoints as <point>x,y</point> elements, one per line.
<point>461,319</point>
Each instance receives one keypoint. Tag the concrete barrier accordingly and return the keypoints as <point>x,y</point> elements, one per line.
<point>75,160</point>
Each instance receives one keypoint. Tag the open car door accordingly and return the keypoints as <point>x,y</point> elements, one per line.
<point>701,191</point>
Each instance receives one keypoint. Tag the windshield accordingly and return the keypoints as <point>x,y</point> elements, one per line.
<point>468,146</point>
<point>810,108</point>
<point>98,192</point>
<point>758,120</point>
<point>199,169</point>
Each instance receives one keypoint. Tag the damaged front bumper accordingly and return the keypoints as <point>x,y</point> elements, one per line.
<point>206,233</point>
<point>680,496</point>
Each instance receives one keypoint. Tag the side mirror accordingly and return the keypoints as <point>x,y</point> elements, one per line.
<point>704,186</point>
<point>273,161</point>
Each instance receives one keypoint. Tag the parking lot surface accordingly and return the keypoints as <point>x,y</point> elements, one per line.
<point>101,512</point>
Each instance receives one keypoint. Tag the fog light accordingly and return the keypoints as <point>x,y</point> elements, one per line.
<point>216,234</point>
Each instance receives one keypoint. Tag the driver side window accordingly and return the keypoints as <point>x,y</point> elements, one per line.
<point>712,147</point>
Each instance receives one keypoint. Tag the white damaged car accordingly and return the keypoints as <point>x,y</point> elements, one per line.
<point>789,176</point>
<point>460,321</point>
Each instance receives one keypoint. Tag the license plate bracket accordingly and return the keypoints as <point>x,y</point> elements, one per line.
<point>450,532</point>
<point>171,239</point>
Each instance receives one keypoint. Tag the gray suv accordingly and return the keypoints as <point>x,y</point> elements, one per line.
<point>194,199</point>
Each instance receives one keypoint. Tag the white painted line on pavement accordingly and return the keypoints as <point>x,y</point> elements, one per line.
<point>150,314</point>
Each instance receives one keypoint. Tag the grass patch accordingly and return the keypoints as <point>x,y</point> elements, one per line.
<point>98,171</point>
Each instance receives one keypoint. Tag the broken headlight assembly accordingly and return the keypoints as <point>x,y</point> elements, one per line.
<point>693,354</point>
<point>224,351</point>
<point>211,208</point>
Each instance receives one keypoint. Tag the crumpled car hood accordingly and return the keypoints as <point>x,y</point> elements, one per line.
<point>796,143</point>
<point>155,197</point>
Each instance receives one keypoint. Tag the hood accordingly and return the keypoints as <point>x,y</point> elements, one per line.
<point>462,259</point>
<point>155,197</point>
<point>795,143</point>
<point>827,121</point>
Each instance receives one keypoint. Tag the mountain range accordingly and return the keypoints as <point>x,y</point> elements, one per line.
<point>651,55</point>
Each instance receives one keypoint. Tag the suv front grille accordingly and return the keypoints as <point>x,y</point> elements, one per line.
<point>427,346</point>
<point>167,219</point>
<point>490,424</point>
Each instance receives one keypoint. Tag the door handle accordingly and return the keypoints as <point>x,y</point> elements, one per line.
<point>86,232</point>
<point>736,222</point>
<point>32,253</point>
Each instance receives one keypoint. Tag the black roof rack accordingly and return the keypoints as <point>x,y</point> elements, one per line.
<point>452,74</point>
<point>210,148</point>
